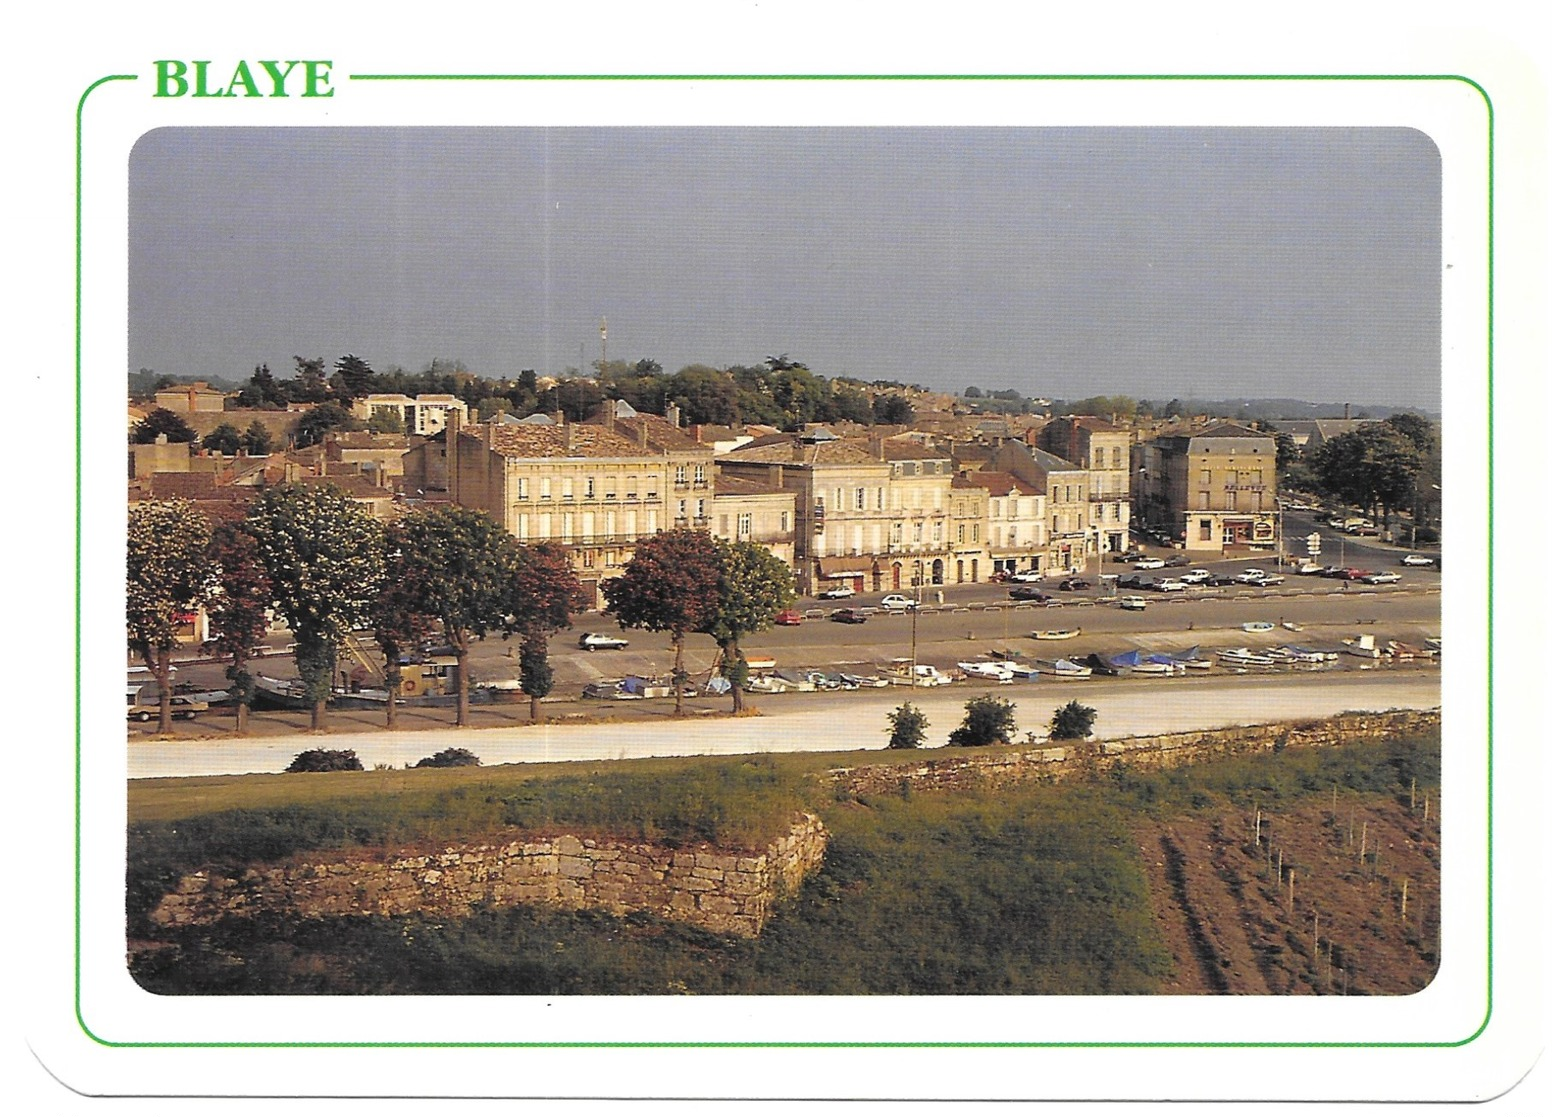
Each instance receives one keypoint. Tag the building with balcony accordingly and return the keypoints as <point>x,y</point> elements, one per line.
<point>1105,451</point>
<point>1016,526</point>
<point>1212,490</point>
<point>1065,487</point>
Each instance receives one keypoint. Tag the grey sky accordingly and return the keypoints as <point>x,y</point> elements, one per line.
<point>1058,262</point>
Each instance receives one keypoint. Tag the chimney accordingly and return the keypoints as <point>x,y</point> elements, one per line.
<point>609,412</point>
<point>671,413</point>
<point>450,435</point>
<point>1347,411</point>
<point>642,427</point>
<point>571,443</point>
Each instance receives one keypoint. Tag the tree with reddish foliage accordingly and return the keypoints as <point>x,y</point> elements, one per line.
<point>669,585</point>
<point>238,610</point>
<point>543,594</point>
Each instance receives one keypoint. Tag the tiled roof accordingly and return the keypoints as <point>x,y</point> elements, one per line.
<point>587,441</point>
<point>189,486</point>
<point>729,485</point>
<point>993,481</point>
<point>785,451</point>
<point>661,434</point>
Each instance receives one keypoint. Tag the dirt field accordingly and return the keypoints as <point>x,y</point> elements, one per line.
<point>1315,907</point>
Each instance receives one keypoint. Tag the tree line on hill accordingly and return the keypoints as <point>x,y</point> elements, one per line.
<point>778,391</point>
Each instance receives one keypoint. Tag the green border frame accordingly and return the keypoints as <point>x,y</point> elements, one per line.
<point>774,1044</point>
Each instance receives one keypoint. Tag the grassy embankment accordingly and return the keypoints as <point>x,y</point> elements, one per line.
<point>1033,889</point>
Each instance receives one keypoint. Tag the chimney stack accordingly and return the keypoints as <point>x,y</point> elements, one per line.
<point>671,413</point>
<point>569,434</point>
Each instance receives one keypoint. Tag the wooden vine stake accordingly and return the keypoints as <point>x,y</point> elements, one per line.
<point>1404,882</point>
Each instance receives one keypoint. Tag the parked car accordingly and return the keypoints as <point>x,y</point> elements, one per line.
<point>1220,580</point>
<point>837,592</point>
<point>1196,577</point>
<point>1381,578</point>
<point>1366,530</point>
<point>1265,580</point>
<point>600,641</point>
<point>182,707</point>
<point>1308,568</point>
<point>1134,603</point>
<point>1353,574</point>
<point>1148,564</point>
<point>1177,560</point>
<point>1026,576</point>
<point>789,616</point>
<point>1028,593</point>
<point>1133,582</point>
<point>849,616</point>
<point>1416,560</point>
<point>898,601</point>
<point>1249,577</point>
<point>1073,584</point>
<point>1169,585</point>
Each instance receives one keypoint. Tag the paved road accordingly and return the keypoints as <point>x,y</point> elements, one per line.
<point>828,722</point>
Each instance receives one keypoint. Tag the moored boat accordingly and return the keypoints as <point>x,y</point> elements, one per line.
<point>1067,669</point>
<point>1056,633</point>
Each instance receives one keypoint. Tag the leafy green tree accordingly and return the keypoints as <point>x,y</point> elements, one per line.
<point>669,585</point>
<point>1174,409</point>
<point>988,721</point>
<point>542,594</point>
<point>353,377</point>
<point>160,422</point>
<point>893,410</point>
<point>399,621</point>
<point>1375,467</point>
<point>907,727</point>
<point>753,585</point>
<point>464,562</point>
<point>262,390</point>
<point>319,421</point>
<point>704,395</point>
<point>325,760</point>
<point>225,439</point>
<point>1418,430</point>
<point>310,385</point>
<point>972,392</point>
<point>324,556</point>
<point>257,440</point>
<point>1072,722</point>
<point>169,575</point>
<point>238,609</point>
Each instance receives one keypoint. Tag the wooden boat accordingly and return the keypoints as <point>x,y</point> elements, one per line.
<point>985,669</point>
<point>1244,657</point>
<point>1056,633</point>
<point>1067,669</point>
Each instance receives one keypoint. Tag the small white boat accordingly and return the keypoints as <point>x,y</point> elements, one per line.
<point>1362,646</point>
<point>1067,669</point>
<point>1293,626</point>
<point>863,681</point>
<point>765,684</point>
<point>1258,626</point>
<point>996,672</point>
<point>1056,633</point>
<point>1244,657</point>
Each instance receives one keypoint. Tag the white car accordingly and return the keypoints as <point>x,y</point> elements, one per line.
<point>600,641</point>
<point>1133,602</point>
<point>835,592</point>
<point>1195,577</point>
<point>1250,577</point>
<point>1170,585</point>
<point>1149,564</point>
<point>1027,576</point>
<point>898,601</point>
<point>1382,578</point>
<point>1416,560</point>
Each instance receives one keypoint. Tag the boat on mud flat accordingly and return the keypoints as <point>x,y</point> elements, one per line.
<point>1194,660</point>
<point>1258,626</point>
<point>1362,646</point>
<point>765,684</point>
<point>1067,669</point>
<point>1244,657</point>
<point>1397,650</point>
<point>985,669</point>
<point>1099,665</point>
<point>1056,633</point>
<point>863,681</point>
<point>1140,663</point>
<point>1287,653</point>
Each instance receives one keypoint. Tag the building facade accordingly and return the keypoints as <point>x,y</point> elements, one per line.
<point>1105,451</point>
<point>1212,490</point>
<point>1065,487</point>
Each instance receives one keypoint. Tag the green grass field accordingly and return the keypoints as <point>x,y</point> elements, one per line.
<point>1031,889</point>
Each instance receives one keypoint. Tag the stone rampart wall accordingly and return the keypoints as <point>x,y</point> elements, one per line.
<point>729,892</point>
<point>952,769</point>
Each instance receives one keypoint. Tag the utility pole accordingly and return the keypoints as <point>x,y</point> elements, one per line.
<point>603,346</point>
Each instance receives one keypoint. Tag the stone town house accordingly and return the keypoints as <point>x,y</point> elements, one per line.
<point>1065,487</point>
<point>1212,490</point>
<point>1016,532</point>
<point>873,514</point>
<point>1104,450</point>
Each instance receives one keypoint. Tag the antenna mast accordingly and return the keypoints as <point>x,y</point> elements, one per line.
<point>603,346</point>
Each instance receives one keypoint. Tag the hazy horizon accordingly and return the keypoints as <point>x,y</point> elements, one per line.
<point>1206,263</point>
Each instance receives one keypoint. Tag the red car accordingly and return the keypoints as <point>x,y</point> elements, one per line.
<point>849,616</point>
<point>789,616</point>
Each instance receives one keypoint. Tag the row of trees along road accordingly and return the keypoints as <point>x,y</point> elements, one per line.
<point>327,568</point>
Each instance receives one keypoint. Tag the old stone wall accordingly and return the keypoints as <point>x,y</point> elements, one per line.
<point>952,769</point>
<point>729,892</point>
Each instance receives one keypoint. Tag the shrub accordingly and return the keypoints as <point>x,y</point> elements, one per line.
<point>1072,722</point>
<point>988,721</point>
<point>326,760</point>
<point>449,758</point>
<point>907,727</point>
